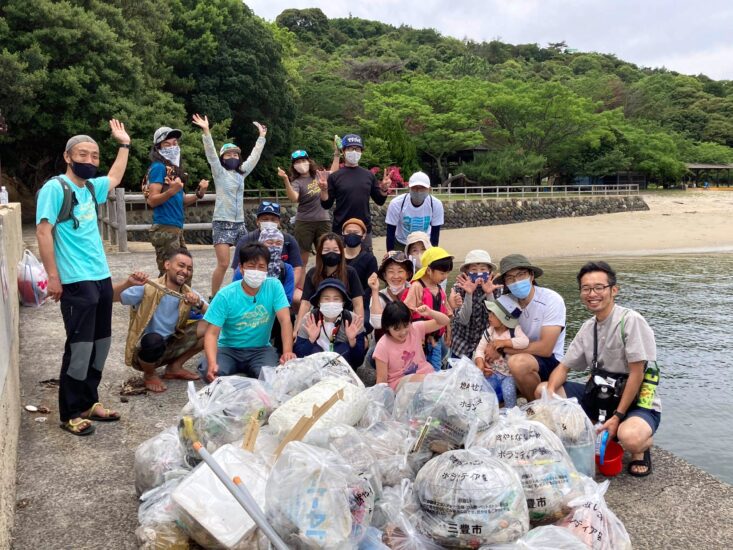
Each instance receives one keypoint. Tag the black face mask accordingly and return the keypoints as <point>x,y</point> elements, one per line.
<point>83,170</point>
<point>230,163</point>
<point>331,259</point>
<point>352,240</point>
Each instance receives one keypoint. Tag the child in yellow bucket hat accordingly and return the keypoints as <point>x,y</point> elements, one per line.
<point>437,263</point>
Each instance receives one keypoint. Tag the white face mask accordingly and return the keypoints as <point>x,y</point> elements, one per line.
<point>267,225</point>
<point>254,278</point>
<point>396,289</point>
<point>302,167</point>
<point>171,154</point>
<point>331,310</point>
<point>352,157</point>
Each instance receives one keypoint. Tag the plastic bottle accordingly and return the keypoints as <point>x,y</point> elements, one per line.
<point>601,436</point>
<point>4,196</point>
<point>337,142</point>
<point>648,386</point>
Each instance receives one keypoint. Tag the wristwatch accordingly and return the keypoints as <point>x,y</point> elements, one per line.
<point>618,414</point>
<point>124,145</point>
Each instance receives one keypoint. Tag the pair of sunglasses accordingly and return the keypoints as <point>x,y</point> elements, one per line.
<point>268,203</point>
<point>299,154</point>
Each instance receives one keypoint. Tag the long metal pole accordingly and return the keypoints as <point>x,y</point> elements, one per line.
<point>242,495</point>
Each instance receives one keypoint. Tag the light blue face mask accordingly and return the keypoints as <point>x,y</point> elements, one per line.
<point>521,289</point>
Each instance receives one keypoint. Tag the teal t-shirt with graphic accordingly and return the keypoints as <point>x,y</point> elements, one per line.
<point>79,252</point>
<point>246,321</point>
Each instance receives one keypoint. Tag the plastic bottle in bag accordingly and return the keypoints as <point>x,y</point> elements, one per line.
<point>4,196</point>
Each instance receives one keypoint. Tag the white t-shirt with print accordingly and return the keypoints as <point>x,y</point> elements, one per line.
<point>408,218</point>
<point>547,308</point>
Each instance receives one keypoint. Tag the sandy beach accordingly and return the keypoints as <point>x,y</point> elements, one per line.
<point>677,222</point>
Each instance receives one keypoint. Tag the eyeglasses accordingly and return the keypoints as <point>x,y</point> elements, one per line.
<point>519,276</point>
<point>299,154</point>
<point>595,288</point>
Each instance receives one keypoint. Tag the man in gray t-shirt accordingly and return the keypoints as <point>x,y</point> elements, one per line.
<point>619,341</point>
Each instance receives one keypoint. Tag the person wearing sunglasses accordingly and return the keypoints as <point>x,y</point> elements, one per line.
<point>268,217</point>
<point>312,221</point>
<point>228,170</point>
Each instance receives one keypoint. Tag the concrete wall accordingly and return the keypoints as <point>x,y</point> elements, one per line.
<point>12,242</point>
<point>457,213</point>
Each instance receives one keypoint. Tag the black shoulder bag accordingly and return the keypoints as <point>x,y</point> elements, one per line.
<point>604,389</point>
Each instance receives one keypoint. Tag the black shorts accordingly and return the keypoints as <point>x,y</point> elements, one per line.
<point>547,365</point>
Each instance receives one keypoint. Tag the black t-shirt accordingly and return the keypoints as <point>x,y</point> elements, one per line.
<point>365,264</point>
<point>354,287</point>
<point>290,254</point>
<point>350,188</point>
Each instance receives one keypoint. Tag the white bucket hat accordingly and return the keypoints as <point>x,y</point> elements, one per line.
<point>478,257</point>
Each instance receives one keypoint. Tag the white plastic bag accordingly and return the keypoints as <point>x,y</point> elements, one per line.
<point>548,476</point>
<point>448,403</point>
<point>219,412</point>
<point>568,421</point>
<point>32,280</point>
<point>594,523</point>
<point>156,457</point>
<point>297,375</point>
<point>208,511</point>
<point>316,500</point>
<point>469,498</point>
<point>157,516</point>
<point>345,411</point>
<point>546,537</point>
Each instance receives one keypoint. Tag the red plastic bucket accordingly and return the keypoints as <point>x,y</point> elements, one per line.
<point>613,460</point>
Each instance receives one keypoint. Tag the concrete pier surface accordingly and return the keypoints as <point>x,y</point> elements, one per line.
<point>78,492</point>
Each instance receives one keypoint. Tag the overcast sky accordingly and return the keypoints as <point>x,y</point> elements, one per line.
<point>690,37</point>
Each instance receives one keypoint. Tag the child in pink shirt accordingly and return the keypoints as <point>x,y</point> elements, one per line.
<point>399,353</point>
<point>502,333</point>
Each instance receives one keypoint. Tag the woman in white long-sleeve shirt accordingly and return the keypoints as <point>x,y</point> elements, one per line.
<point>228,172</point>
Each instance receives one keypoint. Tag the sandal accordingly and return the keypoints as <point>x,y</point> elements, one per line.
<point>109,415</point>
<point>646,461</point>
<point>75,427</point>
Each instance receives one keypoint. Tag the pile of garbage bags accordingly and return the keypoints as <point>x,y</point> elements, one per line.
<point>436,465</point>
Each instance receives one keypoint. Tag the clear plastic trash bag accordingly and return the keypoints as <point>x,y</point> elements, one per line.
<point>548,475</point>
<point>219,413</point>
<point>157,456</point>
<point>380,405</point>
<point>546,537</point>
<point>568,421</point>
<point>316,500</point>
<point>593,522</point>
<point>469,498</point>
<point>157,517</point>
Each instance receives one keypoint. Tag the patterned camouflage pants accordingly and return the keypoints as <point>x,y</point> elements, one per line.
<point>166,239</point>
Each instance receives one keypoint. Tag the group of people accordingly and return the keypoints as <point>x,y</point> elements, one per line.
<point>393,315</point>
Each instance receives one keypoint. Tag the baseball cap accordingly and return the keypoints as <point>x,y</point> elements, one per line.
<point>229,147</point>
<point>352,140</point>
<point>419,178</point>
<point>267,207</point>
<point>166,132</point>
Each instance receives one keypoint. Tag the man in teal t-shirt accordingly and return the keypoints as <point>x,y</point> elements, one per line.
<point>72,253</point>
<point>240,318</point>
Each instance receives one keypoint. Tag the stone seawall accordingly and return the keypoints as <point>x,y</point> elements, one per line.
<point>470,213</point>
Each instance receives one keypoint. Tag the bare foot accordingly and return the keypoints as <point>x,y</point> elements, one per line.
<point>179,373</point>
<point>154,384</point>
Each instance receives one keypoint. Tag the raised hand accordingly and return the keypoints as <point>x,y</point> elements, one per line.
<point>175,183</point>
<point>424,310</point>
<point>386,181</point>
<point>118,132</point>
<point>322,176</point>
<point>489,286</point>
<point>261,128</point>
<point>138,278</point>
<point>202,122</point>
<point>455,300</point>
<point>465,283</point>
<point>373,282</point>
<point>312,327</point>
<point>282,173</point>
<point>354,327</point>
<point>204,185</point>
